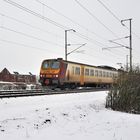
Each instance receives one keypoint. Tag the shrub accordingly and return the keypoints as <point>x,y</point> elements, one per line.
<point>125,94</point>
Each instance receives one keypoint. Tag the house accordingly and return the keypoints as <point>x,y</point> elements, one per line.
<point>15,77</point>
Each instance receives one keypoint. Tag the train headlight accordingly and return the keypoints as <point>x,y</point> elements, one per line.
<point>42,75</point>
<point>56,76</point>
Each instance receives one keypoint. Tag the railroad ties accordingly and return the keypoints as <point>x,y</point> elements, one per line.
<point>39,92</point>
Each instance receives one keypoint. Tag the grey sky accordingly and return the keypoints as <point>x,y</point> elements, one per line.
<point>25,39</point>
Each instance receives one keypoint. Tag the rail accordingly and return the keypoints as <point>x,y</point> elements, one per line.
<point>25,93</point>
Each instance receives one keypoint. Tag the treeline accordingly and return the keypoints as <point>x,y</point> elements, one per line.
<point>125,93</point>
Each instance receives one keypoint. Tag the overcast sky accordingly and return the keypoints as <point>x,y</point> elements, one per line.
<point>33,30</point>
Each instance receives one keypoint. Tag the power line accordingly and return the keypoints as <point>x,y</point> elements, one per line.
<point>115,17</point>
<point>35,14</point>
<point>80,35</point>
<point>35,27</point>
<point>89,39</point>
<point>40,16</point>
<point>109,11</point>
<point>32,47</point>
<point>71,20</point>
<point>23,45</point>
<point>101,45</point>
<point>47,19</point>
<point>96,19</point>
<point>104,58</point>
<point>99,20</point>
<point>93,16</point>
<point>30,36</point>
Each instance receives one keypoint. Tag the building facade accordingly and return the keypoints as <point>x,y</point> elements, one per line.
<point>6,76</point>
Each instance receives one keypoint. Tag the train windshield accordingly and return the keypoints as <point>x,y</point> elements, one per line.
<point>51,64</point>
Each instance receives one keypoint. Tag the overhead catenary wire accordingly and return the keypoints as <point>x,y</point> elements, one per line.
<point>101,45</point>
<point>88,39</point>
<point>116,17</point>
<point>109,11</point>
<point>25,45</point>
<point>27,24</point>
<point>30,36</point>
<point>12,42</point>
<point>47,19</point>
<point>78,34</point>
<point>71,20</point>
<point>97,19</point>
<point>34,47</point>
<point>35,14</point>
<point>101,57</point>
<point>43,17</point>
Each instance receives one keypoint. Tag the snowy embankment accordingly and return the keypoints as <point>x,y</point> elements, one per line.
<point>65,117</point>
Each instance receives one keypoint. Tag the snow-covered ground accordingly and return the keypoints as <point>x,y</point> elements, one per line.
<point>80,116</point>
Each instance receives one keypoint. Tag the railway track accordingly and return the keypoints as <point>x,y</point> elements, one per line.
<point>25,93</point>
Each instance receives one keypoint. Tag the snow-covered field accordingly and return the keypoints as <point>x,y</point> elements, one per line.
<point>65,117</point>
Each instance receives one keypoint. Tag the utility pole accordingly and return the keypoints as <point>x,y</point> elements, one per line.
<point>127,63</point>
<point>66,44</point>
<point>130,39</point>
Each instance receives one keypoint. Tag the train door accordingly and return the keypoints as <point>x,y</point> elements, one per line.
<point>82,76</point>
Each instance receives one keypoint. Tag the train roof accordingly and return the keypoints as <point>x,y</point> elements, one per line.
<point>107,67</point>
<point>100,67</point>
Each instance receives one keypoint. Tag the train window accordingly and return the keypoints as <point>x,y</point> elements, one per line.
<point>96,72</point>
<point>91,72</point>
<point>100,73</point>
<point>111,74</point>
<point>104,73</point>
<point>73,70</point>
<point>107,74</point>
<point>45,65</point>
<point>51,64</point>
<point>77,71</point>
<point>55,65</point>
<point>116,75</point>
<point>87,72</point>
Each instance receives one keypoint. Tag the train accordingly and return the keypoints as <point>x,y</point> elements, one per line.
<point>59,73</point>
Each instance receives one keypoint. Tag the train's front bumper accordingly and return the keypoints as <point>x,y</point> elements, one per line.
<point>49,81</point>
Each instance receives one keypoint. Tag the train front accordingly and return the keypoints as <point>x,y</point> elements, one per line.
<point>49,73</point>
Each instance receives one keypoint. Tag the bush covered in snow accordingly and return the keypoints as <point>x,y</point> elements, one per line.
<point>125,95</point>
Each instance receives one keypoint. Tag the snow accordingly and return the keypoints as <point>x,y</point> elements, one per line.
<point>76,116</point>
